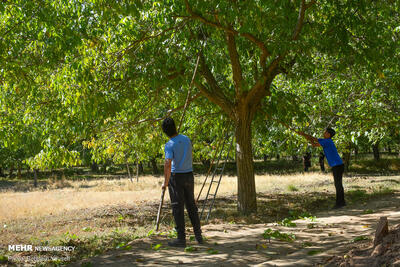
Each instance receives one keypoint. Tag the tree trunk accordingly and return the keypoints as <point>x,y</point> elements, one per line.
<point>346,159</point>
<point>278,156</point>
<point>375,149</point>
<point>19,173</point>
<point>129,171</point>
<point>265,157</point>
<point>1,172</point>
<point>11,171</point>
<point>94,167</point>
<point>141,167</point>
<point>245,169</point>
<point>137,171</point>
<point>35,171</point>
<point>206,162</point>
<point>154,165</point>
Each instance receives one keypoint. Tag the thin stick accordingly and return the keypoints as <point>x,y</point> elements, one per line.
<point>188,94</point>
<point>180,124</point>
<point>159,209</point>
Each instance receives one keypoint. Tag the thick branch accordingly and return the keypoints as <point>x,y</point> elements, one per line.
<point>300,18</point>
<point>236,68</point>
<point>264,51</point>
<point>216,94</point>
<point>226,107</point>
<point>262,86</point>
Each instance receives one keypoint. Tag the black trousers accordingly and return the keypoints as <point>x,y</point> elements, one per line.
<point>338,177</point>
<point>181,193</point>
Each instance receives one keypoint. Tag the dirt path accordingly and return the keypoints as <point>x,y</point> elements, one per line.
<point>243,245</point>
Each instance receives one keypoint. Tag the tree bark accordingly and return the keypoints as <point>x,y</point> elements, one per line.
<point>141,170</point>
<point>35,171</point>
<point>137,171</point>
<point>129,171</point>
<point>11,171</point>
<point>206,163</point>
<point>94,167</point>
<point>19,172</point>
<point>245,169</point>
<point>375,150</point>
<point>346,159</point>
<point>154,166</point>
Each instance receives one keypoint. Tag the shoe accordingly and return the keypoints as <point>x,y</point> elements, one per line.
<point>199,239</point>
<point>180,243</point>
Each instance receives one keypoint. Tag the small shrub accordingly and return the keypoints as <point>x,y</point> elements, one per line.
<point>313,252</point>
<point>270,234</point>
<point>287,222</point>
<point>360,238</point>
<point>292,188</point>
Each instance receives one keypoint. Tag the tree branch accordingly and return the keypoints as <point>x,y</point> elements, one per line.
<point>132,123</point>
<point>300,18</point>
<point>264,51</point>
<point>235,62</point>
<point>226,107</point>
<point>216,94</point>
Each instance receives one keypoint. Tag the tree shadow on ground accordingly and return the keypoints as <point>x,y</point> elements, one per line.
<point>275,207</point>
<point>242,243</point>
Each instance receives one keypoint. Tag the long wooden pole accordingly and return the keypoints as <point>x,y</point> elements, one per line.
<point>159,209</point>
<point>179,127</point>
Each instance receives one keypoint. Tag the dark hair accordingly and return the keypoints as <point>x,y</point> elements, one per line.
<point>331,131</point>
<point>168,126</point>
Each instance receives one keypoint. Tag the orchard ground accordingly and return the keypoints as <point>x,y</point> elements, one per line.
<point>109,219</point>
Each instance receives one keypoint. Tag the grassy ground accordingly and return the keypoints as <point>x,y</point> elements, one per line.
<point>99,214</point>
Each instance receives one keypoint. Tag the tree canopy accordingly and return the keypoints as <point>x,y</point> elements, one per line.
<point>102,74</point>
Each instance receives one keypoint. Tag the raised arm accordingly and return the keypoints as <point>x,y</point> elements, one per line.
<point>314,141</point>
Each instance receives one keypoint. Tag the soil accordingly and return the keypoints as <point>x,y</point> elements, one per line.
<point>386,253</point>
<point>342,237</point>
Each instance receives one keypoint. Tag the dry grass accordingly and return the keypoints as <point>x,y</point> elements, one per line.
<point>62,195</point>
<point>118,210</point>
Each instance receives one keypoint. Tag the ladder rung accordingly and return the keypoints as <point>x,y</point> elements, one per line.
<point>220,169</point>
<point>215,181</point>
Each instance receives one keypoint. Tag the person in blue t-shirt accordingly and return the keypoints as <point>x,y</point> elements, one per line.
<point>178,177</point>
<point>334,161</point>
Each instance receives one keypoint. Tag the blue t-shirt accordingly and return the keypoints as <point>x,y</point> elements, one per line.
<point>331,153</point>
<point>179,149</point>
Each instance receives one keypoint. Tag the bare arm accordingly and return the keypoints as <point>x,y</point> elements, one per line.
<point>314,141</point>
<point>167,172</point>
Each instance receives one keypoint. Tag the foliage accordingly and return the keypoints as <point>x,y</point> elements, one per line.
<point>271,234</point>
<point>99,76</point>
<point>287,222</point>
<point>360,238</point>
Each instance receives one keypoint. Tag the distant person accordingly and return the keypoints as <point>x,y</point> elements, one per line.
<point>334,161</point>
<point>178,177</point>
<point>322,161</point>
<point>307,161</point>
